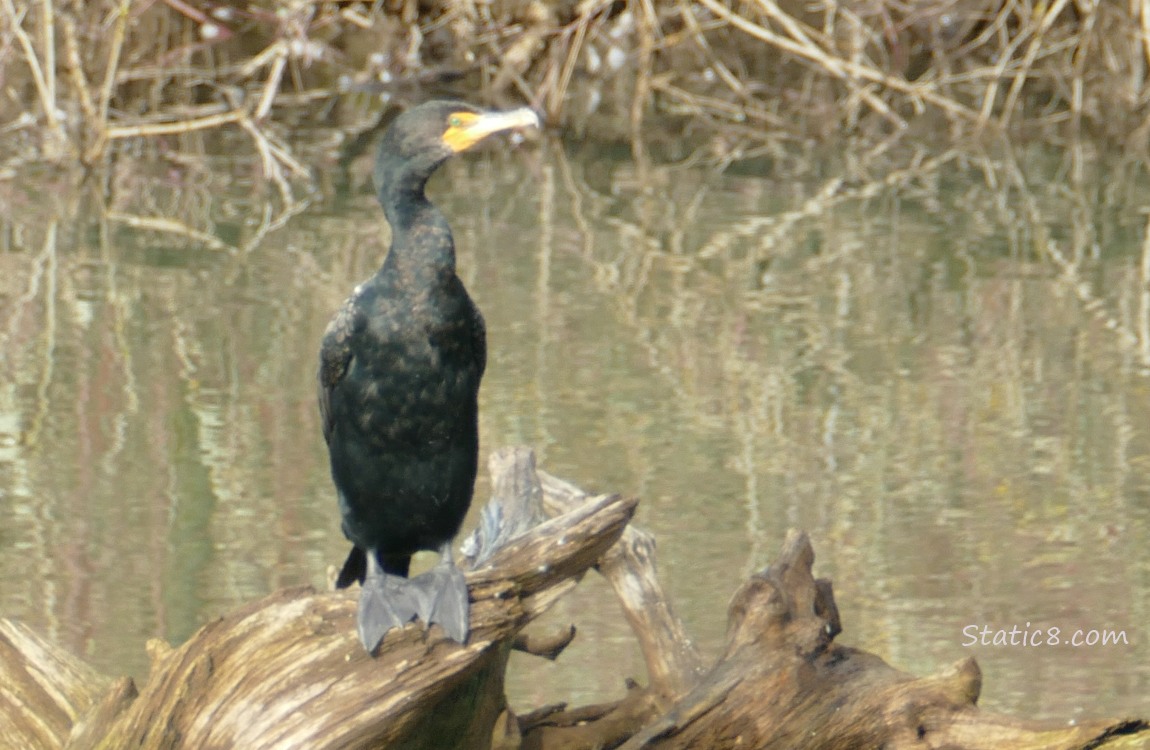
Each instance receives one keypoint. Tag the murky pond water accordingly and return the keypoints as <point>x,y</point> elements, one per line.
<point>943,378</point>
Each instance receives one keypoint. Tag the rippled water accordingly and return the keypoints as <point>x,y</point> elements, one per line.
<point>943,378</point>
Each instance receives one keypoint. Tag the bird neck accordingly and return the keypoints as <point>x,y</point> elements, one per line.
<point>420,235</point>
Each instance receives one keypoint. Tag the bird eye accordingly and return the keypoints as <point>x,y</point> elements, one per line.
<point>455,121</point>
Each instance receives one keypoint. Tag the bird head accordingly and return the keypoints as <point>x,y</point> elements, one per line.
<point>421,138</point>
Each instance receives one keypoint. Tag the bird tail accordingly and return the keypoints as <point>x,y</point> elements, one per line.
<point>354,569</point>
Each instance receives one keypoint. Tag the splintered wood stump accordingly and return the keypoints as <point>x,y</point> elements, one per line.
<point>288,671</point>
<point>783,683</point>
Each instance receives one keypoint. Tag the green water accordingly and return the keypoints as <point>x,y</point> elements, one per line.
<point>943,380</point>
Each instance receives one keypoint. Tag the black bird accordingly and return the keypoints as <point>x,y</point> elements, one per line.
<point>398,379</point>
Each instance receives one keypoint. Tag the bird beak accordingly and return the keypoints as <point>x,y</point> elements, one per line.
<point>475,127</point>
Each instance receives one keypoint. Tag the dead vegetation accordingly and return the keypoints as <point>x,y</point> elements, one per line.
<point>83,79</point>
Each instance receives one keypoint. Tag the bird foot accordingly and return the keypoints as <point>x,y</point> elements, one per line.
<point>384,603</point>
<point>440,597</point>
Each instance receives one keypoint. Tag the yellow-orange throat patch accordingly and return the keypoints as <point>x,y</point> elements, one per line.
<point>465,129</point>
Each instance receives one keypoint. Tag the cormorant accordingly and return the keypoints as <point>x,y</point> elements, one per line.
<point>398,380</point>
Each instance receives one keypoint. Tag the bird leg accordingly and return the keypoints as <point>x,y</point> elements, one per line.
<point>440,596</point>
<point>384,604</point>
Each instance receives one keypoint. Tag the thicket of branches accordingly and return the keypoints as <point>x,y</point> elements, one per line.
<point>82,78</point>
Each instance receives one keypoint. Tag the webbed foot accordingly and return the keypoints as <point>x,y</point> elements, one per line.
<point>384,603</point>
<point>440,596</point>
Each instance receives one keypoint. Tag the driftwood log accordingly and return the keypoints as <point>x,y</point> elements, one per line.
<point>288,672</point>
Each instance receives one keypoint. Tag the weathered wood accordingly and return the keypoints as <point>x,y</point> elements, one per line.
<point>92,727</point>
<point>516,504</point>
<point>547,646</point>
<point>43,690</point>
<point>783,683</point>
<point>587,727</point>
<point>672,659</point>
<point>288,672</point>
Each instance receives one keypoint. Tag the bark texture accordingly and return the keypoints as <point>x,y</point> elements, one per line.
<point>287,671</point>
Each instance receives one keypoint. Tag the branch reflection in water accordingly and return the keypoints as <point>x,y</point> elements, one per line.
<point>935,366</point>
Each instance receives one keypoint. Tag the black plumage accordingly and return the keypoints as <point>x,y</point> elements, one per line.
<point>399,375</point>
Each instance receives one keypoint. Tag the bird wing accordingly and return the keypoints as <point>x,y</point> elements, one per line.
<point>479,334</point>
<point>334,357</point>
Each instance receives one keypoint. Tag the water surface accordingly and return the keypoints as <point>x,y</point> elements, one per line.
<point>942,377</point>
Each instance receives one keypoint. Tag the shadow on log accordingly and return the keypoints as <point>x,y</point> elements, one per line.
<point>288,672</point>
